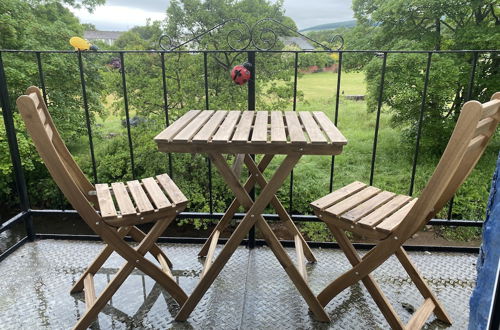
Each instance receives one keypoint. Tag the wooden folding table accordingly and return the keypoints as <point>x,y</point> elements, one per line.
<point>248,133</point>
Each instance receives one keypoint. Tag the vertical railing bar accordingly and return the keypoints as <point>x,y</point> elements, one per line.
<point>207,107</point>
<point>165,107</point>
<point>420,119</point>
<point>468,96</point>
<point>336,116</point>
<point>41,79</point>
<point>87,114</point>
<point>41,76</point>
<point>127,116</point>
<point>251,106</point>
<point>294,108</point>
<point>377,121</point>
<point>10,132</point>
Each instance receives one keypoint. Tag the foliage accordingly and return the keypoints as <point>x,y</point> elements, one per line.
<point>426,24</point>
<point>22,25</point>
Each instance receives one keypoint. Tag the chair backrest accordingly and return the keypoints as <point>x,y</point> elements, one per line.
<point>49,144</point>
<point>475,126</point>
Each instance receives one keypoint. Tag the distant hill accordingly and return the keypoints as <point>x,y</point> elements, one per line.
<point>330,26</point>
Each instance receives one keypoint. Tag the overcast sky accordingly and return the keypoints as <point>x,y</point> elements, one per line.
<point>121,15</point>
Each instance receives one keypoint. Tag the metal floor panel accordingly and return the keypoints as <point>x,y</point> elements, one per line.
<point>252,291</point>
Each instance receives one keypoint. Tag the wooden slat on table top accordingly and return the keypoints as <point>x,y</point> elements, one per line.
<point>178,125</point>
<point>259,134</point>
<point>227,128</point>
<point>329,128</point>
<point>244,126</point>
<point>211,127</point>
<point>294,128</point>
<point>193,127</point>
<point>278,134</point>
<point>268,132</point>
<point>312,128</point>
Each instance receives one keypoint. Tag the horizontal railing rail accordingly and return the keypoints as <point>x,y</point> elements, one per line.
<point>26,212</point>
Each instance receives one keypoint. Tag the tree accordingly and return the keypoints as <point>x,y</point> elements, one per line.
<point>43,25</point>
<point>186,87</point>
<point>427,25</point>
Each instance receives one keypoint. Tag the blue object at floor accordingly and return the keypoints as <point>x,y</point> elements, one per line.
<point>487,263</point>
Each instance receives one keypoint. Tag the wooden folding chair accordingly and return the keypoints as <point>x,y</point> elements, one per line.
<point>111,211</point>
<point>391,219</point>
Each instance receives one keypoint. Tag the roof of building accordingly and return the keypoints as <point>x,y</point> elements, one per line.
<point>298,41</point>
<point>102,34</point>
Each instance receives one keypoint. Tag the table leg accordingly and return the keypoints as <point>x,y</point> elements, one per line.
<point>283,214</point>
<point>253,215</point>
<point>224,221</point>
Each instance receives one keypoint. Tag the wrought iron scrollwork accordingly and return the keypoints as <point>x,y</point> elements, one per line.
<point>261,36</point>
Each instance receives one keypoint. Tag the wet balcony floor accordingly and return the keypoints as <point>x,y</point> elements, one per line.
<point>251,292</point>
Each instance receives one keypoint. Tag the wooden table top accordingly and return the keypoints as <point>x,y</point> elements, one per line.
<point>252,132</point>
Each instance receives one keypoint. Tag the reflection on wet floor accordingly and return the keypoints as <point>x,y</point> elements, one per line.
<point>252,291</point>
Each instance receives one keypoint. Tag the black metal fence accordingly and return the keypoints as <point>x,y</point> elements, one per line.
<point>26,213</point>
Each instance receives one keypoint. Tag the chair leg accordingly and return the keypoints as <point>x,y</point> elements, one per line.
<point>419,282</point>
<point>137,261</point>
<point>377,256</point>
<point>369,282</point>
<point>138,235</point>
<point>98,261</point>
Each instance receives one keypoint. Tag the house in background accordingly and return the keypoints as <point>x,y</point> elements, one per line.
<point>108,37</point>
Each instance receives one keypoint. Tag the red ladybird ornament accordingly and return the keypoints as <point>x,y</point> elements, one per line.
<point>241,73</point>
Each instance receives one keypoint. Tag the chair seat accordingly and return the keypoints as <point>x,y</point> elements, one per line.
<point>136,202</point>
<point>364,209</point>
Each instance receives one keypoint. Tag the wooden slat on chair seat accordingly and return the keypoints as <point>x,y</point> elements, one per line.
<point>353,201</point>
<point>159,199</point>
<point>368,206</point>
<point>106,204</point>
<point>123,199</point>
<point>226,130</point>
<point>173,192</point>
<point>387,225</point>
<point>338,195</point>
<point>384,211</point>
<point>140,197</point>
